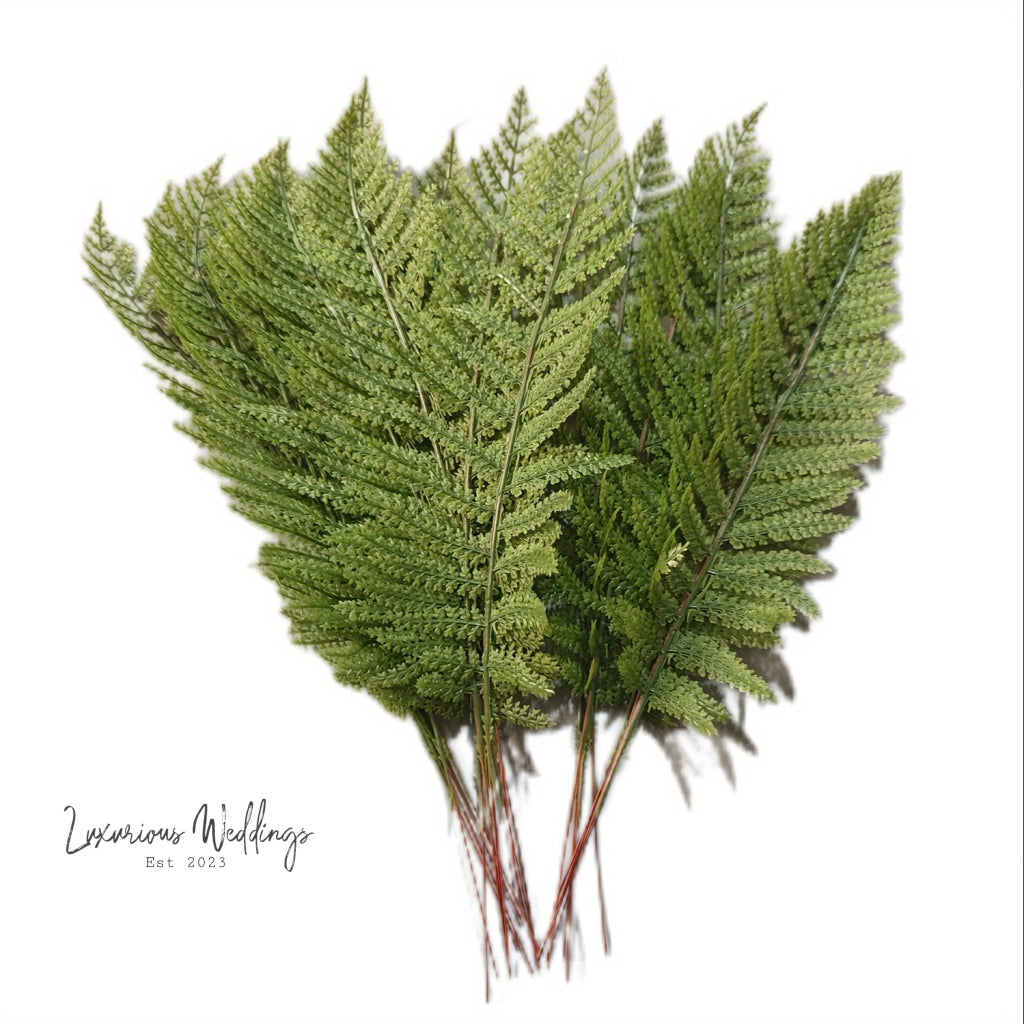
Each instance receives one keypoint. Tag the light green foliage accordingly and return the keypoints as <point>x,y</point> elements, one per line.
<point>546,418</point>
<point>378,366</point>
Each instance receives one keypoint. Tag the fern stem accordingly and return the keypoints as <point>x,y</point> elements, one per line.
<point>521,895</point>
<point>576,806</point>
<point>606,938</point>
<point>481,847</point>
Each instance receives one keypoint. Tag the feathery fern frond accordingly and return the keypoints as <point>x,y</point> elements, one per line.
<point>757,465</point>
<point>411,478</point>
<point>113,269</point>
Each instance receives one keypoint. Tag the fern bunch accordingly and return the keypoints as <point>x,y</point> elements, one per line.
<point>539,426</point>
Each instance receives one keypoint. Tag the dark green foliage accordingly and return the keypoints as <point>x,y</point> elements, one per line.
<point>541,418</point>
<point>746,384</point>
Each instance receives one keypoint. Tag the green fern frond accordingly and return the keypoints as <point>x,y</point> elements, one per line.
<point>740,442</point>
<point>832,292</point>
<point>113,275</point>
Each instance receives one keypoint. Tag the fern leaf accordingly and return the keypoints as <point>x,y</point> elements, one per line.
<point>771,504</point>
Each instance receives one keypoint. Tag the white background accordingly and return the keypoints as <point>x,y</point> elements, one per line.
<point>866,865</point>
